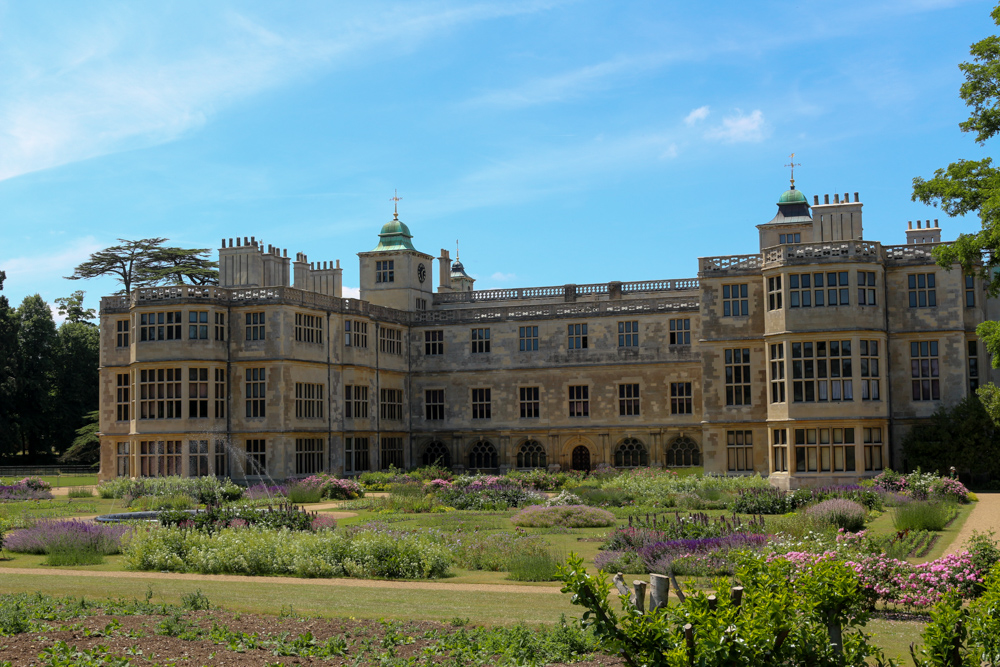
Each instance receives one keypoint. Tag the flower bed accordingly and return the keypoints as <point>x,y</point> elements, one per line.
<point>922,486</point>
<point>487,492</point>
<point>569,516</point>
<point>334,488</point>
<point>29,488</point>
<point>46,536</point>
<point>364,553</point>
<point>215,518</point>
<point>204,489</point>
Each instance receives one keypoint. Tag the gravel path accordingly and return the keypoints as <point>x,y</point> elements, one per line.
<point>352,583</point>
<point>985,516</point>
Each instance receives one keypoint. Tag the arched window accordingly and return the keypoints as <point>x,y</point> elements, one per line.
<point>531,455</point>
<point>436,454</point>
<point>683,453</point>
<point>483,456</point>
<point>631,454</point>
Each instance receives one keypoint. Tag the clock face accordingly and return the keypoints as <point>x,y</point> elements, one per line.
<point>421,273</point>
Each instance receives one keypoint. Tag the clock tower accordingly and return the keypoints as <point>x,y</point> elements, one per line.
<point>395,274</point>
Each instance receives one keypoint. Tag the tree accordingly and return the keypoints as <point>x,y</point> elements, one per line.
<point>75,380</point>
<point>9,432</point>
<point>86,447</point>
<point>128,262</point>
<point>177,265</point>
<point>973,186</point>
<point>963,436</point>
<point>148,262</point>
<point>71,307</point>
<point>35,364</point>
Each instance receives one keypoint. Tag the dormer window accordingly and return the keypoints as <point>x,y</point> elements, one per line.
<point>385,271</point>
<point>790,238</point>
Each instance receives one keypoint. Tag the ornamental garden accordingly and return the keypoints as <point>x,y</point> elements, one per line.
<point>756,575</point>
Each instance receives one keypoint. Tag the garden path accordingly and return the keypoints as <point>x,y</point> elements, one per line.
<point>355,583</point>
<point>984,517</point>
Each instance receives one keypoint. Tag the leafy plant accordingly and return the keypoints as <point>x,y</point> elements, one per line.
<point>570,516</point>
<point>923,515</point>
<point>840,513</point>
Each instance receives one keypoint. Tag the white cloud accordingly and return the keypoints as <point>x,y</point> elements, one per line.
<point>351,292</point>
<point>740,128</point>
<point>118,80</point>
<point>569,85</point>
<point>503,277</point>
<point>40,268</point>
<point>701,113</point>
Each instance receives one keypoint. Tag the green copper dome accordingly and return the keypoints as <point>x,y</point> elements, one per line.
<point>792,196</point>
<point>394,236</point>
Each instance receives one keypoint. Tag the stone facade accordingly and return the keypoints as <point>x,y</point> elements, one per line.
<point>806,362</point>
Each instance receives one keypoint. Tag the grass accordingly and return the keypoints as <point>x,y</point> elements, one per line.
<point>313,596</point>
<point>73,557</point>
<point>81,492</point>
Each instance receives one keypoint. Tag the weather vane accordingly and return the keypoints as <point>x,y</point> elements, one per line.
<point>793,164</point>
<point>395,202</point>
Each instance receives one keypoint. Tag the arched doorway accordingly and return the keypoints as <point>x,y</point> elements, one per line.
<point>580,459</point>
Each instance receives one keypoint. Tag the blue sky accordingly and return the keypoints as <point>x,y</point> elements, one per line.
<point>561,142</point>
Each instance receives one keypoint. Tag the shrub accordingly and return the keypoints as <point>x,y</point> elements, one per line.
<point>564,498</point>
<point>536,567</point>
<point>73,555</point>
<point>334,488</point>
<point>840,513</point>
<point>605,497</point>
<point>766,500</point>
<point>427,473</point>
<point>177,501</point>
<point>704,557</point>
<point>487,492</point>
<point>493,552</point>
<point>46,536</point>
<point>949,490</point>
<point>570,516</point>
<point>641,533</point>
<point>538,478</point>
<point>204,489</point>
<point>371,552</point>
<point>28,488</point>
<point>81,492</point>
<point>983,551</point>
<point>653,487</point>
<point>214,518</point>
<point>378,480</point>
<point>302,492</point>
<point>923,515</point>
<point>626,562</point>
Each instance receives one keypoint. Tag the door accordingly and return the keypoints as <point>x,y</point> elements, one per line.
<point>581,458</point>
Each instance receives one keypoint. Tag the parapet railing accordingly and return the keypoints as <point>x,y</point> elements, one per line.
<point>912,253</point>
<point>500,313</point>
<point>568,292</point>
<point>810,252</point>
<point>252,295</point>
<point>729,264</point>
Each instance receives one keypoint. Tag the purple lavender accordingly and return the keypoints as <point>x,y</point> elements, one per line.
<point>45,536</point>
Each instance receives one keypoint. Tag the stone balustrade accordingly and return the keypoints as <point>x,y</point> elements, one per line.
<point>568,292</point>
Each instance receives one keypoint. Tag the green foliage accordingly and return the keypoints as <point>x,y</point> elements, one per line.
<point>195,601</point>
<point>204,489</point>
<point>569,516</point>
<point>663,488</point>
<point>302,493</point>
<point>80,492</point>
<point>71,307</point>
<point>175,501</point>
<point>66,554</point>
<point>983,550</point>
<point>86,446</point>
<point>973,186</point>
<point>963,435</point>
<point>923,515</point>
<point>35,368</point>
<point>379,480</point>
<point>8,373</point>
<point>261,551</point>
<point>149,262</point>
<point>840,513</point>
<point>782,620</point>
<point>533,567</point>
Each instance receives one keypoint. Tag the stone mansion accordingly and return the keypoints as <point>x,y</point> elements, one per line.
<point>806,361</point>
